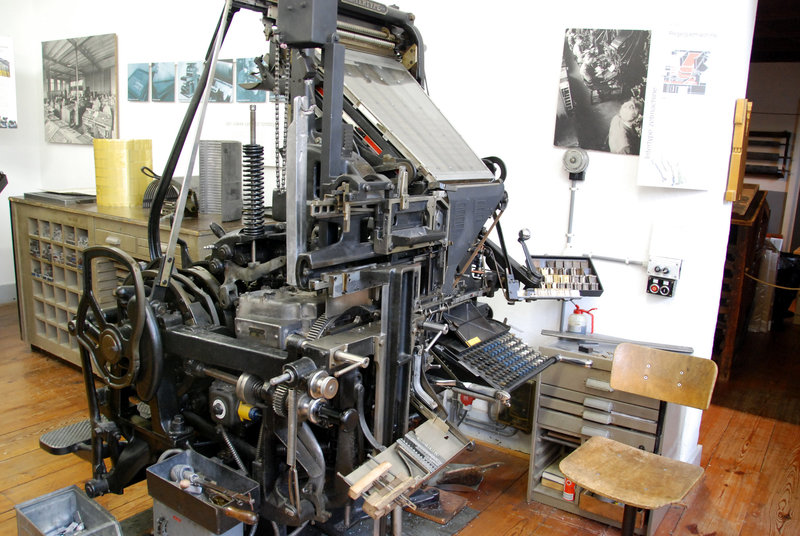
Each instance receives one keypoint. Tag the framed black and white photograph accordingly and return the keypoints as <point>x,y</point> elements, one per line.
<point>188,77</point>
<point>246,77</point>
<point>138,82</point>
<point>162,85</point>
<point>80,89</point>
<point>602,89</point>
<point>222,86</point>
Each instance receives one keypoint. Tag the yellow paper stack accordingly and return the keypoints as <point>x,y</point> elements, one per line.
<point>118,176</point>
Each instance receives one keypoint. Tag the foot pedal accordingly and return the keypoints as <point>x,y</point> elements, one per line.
<point>68,439</point>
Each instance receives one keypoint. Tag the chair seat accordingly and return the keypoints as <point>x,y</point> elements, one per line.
<point>629,475</point>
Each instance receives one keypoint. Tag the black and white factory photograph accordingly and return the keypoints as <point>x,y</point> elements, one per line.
<point>336,268</point>
<point>80,88</point>
<point>602,90</point>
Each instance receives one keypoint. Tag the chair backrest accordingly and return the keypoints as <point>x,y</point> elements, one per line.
<point>669,376</point>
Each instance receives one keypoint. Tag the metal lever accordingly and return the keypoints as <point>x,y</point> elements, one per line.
<point>355,361</point>
<point>574,361</point>
<point>524,236</point>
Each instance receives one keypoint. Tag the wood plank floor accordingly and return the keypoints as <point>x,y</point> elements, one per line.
<point>750,438</point>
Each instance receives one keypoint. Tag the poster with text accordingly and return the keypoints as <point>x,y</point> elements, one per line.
<point>162,82</point>
<point>681,111</point>
<point>138,82</point>
<point>8,90</point>
<point>188,79</point>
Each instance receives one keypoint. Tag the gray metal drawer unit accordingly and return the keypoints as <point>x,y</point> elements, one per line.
<point>573,403</point>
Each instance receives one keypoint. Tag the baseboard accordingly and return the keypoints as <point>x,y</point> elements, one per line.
<point>8,293</point>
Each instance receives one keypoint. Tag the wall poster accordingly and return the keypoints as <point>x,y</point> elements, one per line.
<point>680,112</point>
<point>80,89</point>
<point>8,88</point>
<point>602,90</point>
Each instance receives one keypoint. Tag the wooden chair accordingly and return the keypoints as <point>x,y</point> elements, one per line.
<point>634,477</point>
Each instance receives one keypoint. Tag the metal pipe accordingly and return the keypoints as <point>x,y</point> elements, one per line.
<point>616,259</point>
<point>397,520</point>
<point>346,26</point>
<point>416,383</point>
<point>573,188</point>
<point>253,124</point>
<point>435,326</point>
<point>221,375</point>
<point>344,35</point>
<point>165,271</point>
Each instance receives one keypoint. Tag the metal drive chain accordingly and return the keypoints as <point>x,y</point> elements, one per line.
<point>285,109</point>
<point>276,100</point>
<point>281,70</point>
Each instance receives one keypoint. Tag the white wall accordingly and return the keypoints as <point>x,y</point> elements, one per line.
<point>493,70</point>
<point>147,31</point>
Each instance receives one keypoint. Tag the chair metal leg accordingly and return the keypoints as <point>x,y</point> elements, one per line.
<point>628,520</point>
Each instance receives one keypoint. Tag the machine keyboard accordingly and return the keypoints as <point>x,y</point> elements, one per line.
<point>505,362</point>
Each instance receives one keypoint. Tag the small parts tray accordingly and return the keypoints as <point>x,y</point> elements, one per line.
<point>565,278</point>
<point>197,507</point>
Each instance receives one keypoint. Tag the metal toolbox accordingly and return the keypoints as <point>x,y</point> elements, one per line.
<point>44,515</point>
<point>197,507</point>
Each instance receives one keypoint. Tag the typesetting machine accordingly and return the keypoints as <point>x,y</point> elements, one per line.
<point>298,374</point>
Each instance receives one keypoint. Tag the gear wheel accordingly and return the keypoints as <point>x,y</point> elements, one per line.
<point>318,327</point>
<point>279,400</point>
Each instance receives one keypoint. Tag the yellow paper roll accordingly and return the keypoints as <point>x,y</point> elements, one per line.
<point>118,176</point>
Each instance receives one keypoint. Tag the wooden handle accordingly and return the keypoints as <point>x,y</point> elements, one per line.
<point>245,516</point>
<point>366,481</point>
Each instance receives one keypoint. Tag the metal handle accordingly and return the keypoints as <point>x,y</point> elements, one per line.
<point>113,240</point>
<point>574,361</point>
<point>596,416</point>
<point>590,431</point>
<point>356,361</point>
<point>598,385</point>
<point>598,403</point>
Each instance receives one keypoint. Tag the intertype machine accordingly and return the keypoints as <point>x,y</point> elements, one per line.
<point>300,372</point>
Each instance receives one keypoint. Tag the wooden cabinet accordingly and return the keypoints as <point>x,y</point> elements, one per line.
<point>746,238</point>
<point>573,403</point>
<point>49,240</point>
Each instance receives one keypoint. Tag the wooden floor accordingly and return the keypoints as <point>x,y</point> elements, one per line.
<point>750,438</point>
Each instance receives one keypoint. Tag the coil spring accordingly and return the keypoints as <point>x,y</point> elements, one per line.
<point>253,190</point>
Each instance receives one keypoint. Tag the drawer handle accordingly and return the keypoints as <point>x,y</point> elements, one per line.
<point>596,416</point>
<point>113,241</point>
<point>590,431</point>
<point>597,403</point>
<point>599,385</point>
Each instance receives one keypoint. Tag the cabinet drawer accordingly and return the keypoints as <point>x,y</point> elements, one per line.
<point>592,381</point>
<point>599,415</point>
<point>116,239</point>
<point>594,401</point>
<point>576,425</point>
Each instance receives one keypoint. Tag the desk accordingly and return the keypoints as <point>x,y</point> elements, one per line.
<point>745,241</point>
<point>49,240</point>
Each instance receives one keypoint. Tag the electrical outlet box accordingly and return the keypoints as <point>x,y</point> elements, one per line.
<point>662,275</point>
